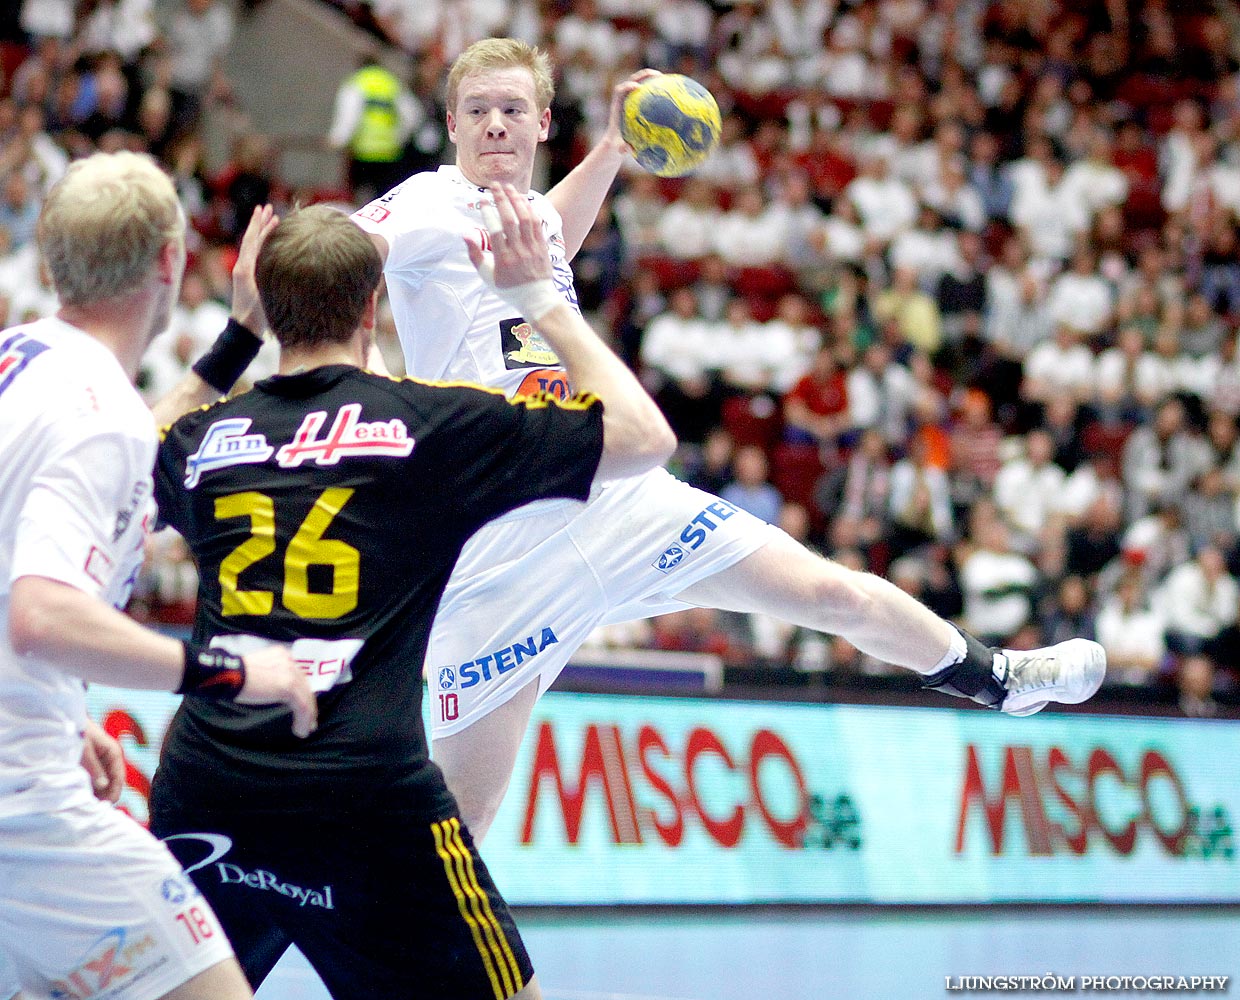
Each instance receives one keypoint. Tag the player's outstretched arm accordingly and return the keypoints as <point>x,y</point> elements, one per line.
<point>636,437</point>
<point>214,374</point>
<point>579,196</point>
<point>86,637</point>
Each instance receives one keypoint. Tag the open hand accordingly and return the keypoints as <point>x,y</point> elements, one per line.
<point>247,309</point>
<point>104,761</point>
<point>618,94</point>
<point>271,677</point>
<point>519,252</point>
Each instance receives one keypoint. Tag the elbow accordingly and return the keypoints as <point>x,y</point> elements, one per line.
<point>662,442</point>
<point>31,619</point>
<point>635,448</point>
<point>656,441</point>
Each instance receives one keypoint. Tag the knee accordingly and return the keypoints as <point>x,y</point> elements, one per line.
<point>478,815</point>
<point>846,597</point>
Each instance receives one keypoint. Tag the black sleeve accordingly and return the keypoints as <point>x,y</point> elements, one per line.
<point>171,498</point>
<point>500,453</point>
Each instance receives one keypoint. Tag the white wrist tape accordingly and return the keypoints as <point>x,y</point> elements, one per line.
<point>534,299</point>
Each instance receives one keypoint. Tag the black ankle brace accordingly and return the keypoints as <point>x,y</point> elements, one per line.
<point>973,677</point>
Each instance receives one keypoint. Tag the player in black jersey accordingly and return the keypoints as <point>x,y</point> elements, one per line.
<point>325,509</point>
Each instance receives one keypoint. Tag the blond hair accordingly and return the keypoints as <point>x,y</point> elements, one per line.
<point>104,224</point>
<point>316,273</point>
<point>503,53</point>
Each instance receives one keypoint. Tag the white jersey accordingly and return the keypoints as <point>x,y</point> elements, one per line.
<point>634,546</point>
<point>451,326</point>
<point>78,446</point>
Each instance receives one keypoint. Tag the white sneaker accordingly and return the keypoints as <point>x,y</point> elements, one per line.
<point>1069,672</point>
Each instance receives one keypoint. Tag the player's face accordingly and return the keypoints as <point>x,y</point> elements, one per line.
<point>497,127</point>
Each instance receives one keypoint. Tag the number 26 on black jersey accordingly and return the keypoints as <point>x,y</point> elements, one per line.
<point>306,548</point>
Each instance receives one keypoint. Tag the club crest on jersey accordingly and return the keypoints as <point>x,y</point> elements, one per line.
<point>347,438</point>
<point>226,443</point>
<point>15,353</point>
<point>523,346</point>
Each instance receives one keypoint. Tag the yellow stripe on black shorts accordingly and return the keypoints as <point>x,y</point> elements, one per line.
<point>475,907</point>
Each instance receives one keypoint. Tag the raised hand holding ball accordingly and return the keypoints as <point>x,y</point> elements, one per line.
<point>672,123</point>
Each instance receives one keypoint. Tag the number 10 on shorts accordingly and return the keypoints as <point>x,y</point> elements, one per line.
<point>448,708</point>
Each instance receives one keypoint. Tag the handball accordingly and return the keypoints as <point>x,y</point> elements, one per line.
<point>672,124</point>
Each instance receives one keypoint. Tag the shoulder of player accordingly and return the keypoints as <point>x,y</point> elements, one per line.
<point>419,388</point>
<point>189,422</point>
<point>544,207</point>
<point>74,394</point>
<point>407,387</point>
<point>436,196</point>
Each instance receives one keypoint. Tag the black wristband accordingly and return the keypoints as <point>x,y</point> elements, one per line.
<point>212,673</point>
<point>228,357</point>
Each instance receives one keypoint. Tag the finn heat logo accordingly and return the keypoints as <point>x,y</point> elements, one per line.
<point>348,437</point>
<point>226,443</point>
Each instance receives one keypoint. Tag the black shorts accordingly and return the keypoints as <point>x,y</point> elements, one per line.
<point>383,906</point>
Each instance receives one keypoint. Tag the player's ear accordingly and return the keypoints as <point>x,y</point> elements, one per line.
<point>544,124</point>
<point>371,312</point>
<point>171,262</point>
<point>452,126</point>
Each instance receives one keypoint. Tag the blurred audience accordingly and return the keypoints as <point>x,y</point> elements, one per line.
<point>956,298</point>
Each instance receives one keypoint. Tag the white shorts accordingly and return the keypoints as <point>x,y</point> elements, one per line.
<point>91,905</point>
<point>529,588</point>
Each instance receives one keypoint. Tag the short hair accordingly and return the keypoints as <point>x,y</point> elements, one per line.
<point>503,53</point>
<point>316,273</point>
<point>104,224</point>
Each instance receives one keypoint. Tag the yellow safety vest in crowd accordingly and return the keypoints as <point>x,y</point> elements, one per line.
<point>377,136</point>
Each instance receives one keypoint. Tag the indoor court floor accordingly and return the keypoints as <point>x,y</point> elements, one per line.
<point>852,954</point>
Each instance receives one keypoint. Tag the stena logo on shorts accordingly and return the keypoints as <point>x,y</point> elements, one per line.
<point>493,665</point>
<point>693,534</point>
<point>672,557</point>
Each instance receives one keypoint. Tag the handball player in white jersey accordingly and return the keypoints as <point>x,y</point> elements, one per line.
<point>91,905</point>
<point>531,586</point>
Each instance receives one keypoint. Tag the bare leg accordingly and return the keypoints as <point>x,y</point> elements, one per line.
<point>477,762</point>
<point>532,991</point>
<point>787,581</point>
<point>223,981</point>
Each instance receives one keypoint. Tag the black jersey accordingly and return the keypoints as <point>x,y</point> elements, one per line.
<point>329,507</point>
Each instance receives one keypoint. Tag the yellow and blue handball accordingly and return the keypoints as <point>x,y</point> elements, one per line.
<point>672,123</point>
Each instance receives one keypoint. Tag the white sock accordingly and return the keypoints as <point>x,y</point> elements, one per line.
<point>955,653</point>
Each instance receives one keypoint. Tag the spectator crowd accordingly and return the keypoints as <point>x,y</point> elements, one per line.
<point>956,299</point>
